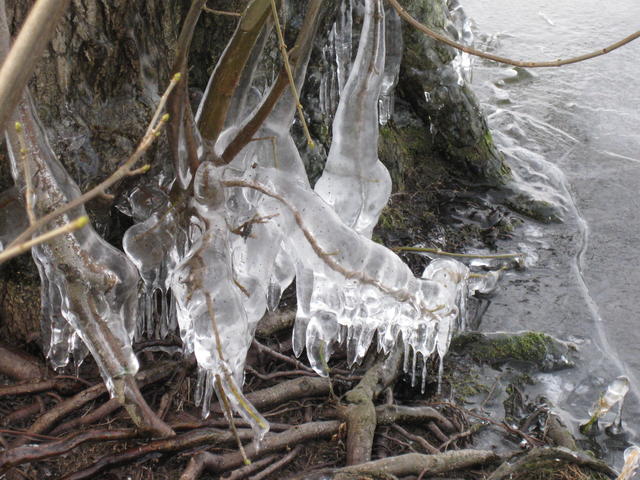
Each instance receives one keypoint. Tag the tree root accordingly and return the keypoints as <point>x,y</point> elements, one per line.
<point>272,443</point>
<point>46,421</point>
<point>360,413</point>
<point>545,458</point>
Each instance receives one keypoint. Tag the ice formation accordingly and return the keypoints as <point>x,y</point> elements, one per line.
<point>354,182</point>
<point>88,287</point>
<point>219,251</point>
<point>349,288</point>
<point>393,59</point>
<point>631,463</point>
<point>616,391</point>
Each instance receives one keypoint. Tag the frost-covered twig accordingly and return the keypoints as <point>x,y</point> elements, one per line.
<point>496,58</point>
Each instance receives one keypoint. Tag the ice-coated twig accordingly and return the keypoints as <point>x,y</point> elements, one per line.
<point>19,249</point>
<point>631,463</point>
<point>287,67</point>
<point>437,251</point>
<point>212,112</point>
<point>125,170</point>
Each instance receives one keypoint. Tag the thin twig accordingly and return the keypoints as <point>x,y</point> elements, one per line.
<point>20,248</point>
<point>517,63</point>
<point>287,66</point>
<point>221,12</point>
<point>461,255</point>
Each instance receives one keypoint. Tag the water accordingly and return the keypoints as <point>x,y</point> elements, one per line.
<point>582,119</point>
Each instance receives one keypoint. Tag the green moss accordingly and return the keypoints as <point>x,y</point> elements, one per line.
<point>543,351</point>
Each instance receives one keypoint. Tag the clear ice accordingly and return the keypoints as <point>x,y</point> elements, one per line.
<point>631,463</point>
<point>211,260</point>
<point>88,286</point>
<point>354,182</point>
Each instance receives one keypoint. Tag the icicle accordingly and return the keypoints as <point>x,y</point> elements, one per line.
<point>393,59</point>
<point>354,181</point>
<point>342,33</point>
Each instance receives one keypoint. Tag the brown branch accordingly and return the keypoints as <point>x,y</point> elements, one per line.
<point>279,356</point>
<point>272,443</point>
<point>20,366</point>
<point>416,463</point>
<point>517,63</point>
<point>226,75</point>
<point>285,391</point>
<point>46,421</point>
<point>288,458</point>
<point>416,438</point>
<point>21,59</point>
<point>360,413</point>
<point>388,414</point>
<point>29,453</point>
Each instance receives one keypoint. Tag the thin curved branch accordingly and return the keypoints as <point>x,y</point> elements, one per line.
<point>406,16</point>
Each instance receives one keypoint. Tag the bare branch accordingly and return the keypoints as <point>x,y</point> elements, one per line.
<point>22,247</point>
<point>517,63</point>
<point>21,60</point>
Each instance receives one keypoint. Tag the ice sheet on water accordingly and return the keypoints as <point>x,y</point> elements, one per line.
<point>354,182</point>
<point>88,287</point>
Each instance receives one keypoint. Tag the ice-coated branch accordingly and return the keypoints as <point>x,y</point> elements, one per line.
<point>349,287</point>
<point>125,170</point>
<point>406,16</point>
<point>181,132</point>
<point>298,59</point>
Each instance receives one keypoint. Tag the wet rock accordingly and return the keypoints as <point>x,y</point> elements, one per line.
<point>538,350</point>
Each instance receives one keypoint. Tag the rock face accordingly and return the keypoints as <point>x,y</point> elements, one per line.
<point>98,82</point>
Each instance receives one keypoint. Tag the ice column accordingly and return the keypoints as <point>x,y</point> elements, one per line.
<point>393,59</point>
<point>354,182</point>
